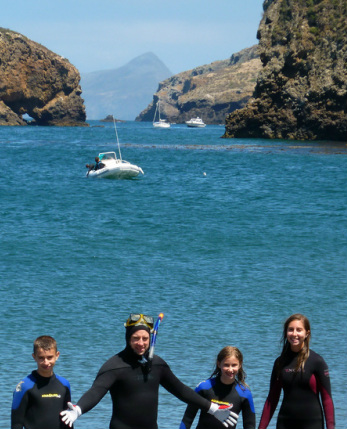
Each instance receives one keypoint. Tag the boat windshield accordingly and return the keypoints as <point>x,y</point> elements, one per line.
<point>107,155</point>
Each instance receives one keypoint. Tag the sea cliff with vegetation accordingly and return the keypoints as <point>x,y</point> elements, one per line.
<point>301,90</point>
<point>210,91</point>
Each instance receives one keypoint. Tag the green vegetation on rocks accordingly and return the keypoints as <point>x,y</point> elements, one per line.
<point>301,91</point>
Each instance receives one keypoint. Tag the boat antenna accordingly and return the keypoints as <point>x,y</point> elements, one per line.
<point>115,129</point>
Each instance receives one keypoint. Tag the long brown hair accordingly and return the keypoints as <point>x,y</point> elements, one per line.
<point>304,352</point>
<point>228,352</point>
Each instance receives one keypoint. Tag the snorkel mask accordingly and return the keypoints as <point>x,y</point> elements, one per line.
<point>136,319</point>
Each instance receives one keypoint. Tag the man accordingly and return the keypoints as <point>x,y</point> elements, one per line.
<point>98,164</point>
<point>133,382</point>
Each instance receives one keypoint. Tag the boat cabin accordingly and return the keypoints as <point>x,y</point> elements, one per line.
<point>106,156</point>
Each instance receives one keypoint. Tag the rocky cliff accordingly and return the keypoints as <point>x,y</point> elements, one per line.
<point>37,82</point>
<point>301,92</point>
<point>210,91</point>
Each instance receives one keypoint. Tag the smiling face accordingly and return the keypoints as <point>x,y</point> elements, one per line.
<point>296,335</point>
<point>229,367</point>
<point>45,360</point>
<point>139,342</point>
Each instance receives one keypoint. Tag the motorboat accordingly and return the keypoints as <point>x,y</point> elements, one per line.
<point>196,123</point>
<point>115,168</point>
<point>160,123</point>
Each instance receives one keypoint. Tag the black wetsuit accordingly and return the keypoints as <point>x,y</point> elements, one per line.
<point>99,165</point>
<point>214,390</point>
<point>301,407</point>
<point>134,390</point>
<point>37,402</point>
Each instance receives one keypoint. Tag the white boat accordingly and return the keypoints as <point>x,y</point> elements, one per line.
<point>115,168</point>
<point>196,123</point>
<point>161,123</point>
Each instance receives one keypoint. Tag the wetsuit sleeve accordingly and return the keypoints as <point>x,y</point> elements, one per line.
<point>189,416</point>
<point>67,387</point>
<point>20,402</point>
<point>173,385</point>
<point>324,387</point>
<point>67,396</point>
<point>18,412</point>
<point>101,385</point>
<point>271,401</point>
<point>248,412</point>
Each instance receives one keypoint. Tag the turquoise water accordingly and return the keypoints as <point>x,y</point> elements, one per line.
<point>226,255</point>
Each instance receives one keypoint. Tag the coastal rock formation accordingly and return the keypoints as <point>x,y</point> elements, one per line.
<point>301,92</point>
<point>37,82</point>
<point>210,91</point>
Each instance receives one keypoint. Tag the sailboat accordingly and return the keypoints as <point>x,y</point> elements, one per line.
<point>161,123</point>
<point>113,167</point>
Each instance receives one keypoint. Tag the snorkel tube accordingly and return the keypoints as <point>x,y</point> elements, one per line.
<point>154,336</point>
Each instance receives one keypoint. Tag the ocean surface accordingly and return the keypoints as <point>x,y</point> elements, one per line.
<point>226,237</point>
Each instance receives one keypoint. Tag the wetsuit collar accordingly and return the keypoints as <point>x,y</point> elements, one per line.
<point>133,358</point>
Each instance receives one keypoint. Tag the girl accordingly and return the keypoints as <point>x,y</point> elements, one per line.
<point>304,377</point>
<point>225,386</point>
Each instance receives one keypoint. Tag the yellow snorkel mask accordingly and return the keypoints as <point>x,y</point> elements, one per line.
<point>140,319</point>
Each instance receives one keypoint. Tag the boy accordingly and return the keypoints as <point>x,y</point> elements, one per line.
<point>39,397</point>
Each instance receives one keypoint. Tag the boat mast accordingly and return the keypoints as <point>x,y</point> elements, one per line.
<point>115,129</point>
<point>155,113</point>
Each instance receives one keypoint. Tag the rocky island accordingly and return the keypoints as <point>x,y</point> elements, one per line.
<point>301,91</point>
<point>37,82</point>
<point>210,91</point>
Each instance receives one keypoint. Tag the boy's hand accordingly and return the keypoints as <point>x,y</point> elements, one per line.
<point>70,415</point>
<point>223,414</point>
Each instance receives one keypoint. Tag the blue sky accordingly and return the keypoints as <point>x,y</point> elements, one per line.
<point>105,34</point>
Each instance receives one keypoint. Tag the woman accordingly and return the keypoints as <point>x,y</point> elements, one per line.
<point>225,386</point>
<point>304,377</point>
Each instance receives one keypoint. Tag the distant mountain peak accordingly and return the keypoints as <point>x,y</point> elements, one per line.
<point>124,91</point>
<point>148,56</point>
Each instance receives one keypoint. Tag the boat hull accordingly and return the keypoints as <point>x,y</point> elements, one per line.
<point>121,170</point>
<point>161,124</point>
<point>196,125</point>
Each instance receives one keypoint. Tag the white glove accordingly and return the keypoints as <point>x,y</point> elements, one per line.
<point>223,414</point>
<point>71,414</point>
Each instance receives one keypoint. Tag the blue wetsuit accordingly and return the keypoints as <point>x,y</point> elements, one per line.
<point>216,391</point>
<point>37,402</point>
<point>302,391</point>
